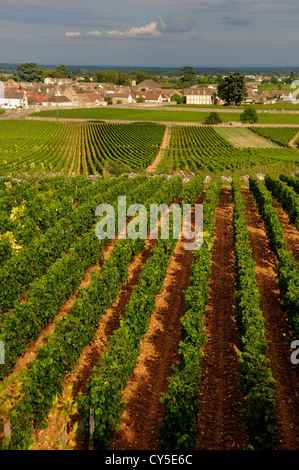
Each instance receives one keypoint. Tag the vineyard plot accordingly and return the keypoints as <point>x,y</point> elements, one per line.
<point>203,149</point>
<point>38,147</point>
<point>141,311</point>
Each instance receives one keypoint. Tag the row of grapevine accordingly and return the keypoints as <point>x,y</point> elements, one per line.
<point>181,401</point>
<point>287,269</point>
<point>291,181</point>
<point>256,380</point>
<point>286,196</point>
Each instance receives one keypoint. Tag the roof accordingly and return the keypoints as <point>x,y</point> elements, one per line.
<point>14,95</point>
<point>148,84</point>
<point>199,92</point>
<point>58,99</point>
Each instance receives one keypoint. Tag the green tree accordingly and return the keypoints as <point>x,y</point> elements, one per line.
<point>178,98</point>
<point>64,71</point>
<point>188,76</point>
<point>30,72</point>
<point>290,79</point>
<point>233,89</point>
<point>213,118</point>
<point>249,115</point>
<point>141,76</point>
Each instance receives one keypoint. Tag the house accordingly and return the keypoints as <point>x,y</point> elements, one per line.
<point>147,85</point>
<point>282,95</point>
<point>59,81</point>
<point>200,96</point>
<point>150,97</point>
<point>33,102</point>
<point>57,101</point>
<point>123,97</point>
<point>11,83</point>
<point>94,99</point>
<point>13,100</point>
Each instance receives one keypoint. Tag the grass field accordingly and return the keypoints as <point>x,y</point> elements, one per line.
<point>163,115</point>
<point>244,138</point>
<point>274,106</point>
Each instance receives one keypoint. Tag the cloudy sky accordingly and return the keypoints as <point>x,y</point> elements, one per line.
<point>150,32</point>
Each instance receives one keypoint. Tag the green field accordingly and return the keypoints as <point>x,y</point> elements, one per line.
<point>161,115</point>
<point>260,107</point>
<point>244,138</point>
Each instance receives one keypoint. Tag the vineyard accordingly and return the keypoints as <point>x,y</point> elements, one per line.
<point>129,343</point>
<point>137,342</point>
<point>92,149</point>
<point>194,149</point>
<point>36,147</point>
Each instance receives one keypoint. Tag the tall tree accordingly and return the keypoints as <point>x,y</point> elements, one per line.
<point>30,72</point>
<point>64,71</point>
<point>233,89</point>
<point>188,75</point>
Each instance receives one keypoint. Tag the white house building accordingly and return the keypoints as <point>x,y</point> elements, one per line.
<point>200,96</point>
<point>13,100</point>
<point>57,101</point>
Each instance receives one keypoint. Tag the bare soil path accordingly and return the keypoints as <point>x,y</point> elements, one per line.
<point>165,143</point>
<point>293,141</point>
<point>220,421</point>
<point>279,352</point>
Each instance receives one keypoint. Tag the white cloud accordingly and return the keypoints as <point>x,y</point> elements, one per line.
<point>95,33</point>
<point>150,30</point>
<point>114,33</point>
<point>70,34</point>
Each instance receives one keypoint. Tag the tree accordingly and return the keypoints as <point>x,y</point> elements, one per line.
<point>249,115</point>
<point>141,76</point>
<point>30,72</point>
<point>233,89</point>
<point>188,76</point>
<point>213,118</point>
<point>290,79</point>
<point>175,97</point>
<point>64,71</point>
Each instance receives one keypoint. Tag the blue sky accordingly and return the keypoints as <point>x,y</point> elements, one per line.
<point>150,33</point>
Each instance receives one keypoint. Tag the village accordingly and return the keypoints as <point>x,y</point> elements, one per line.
<point>75,93</point>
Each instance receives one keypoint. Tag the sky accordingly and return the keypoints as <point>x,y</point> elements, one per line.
<point>165,33</point>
